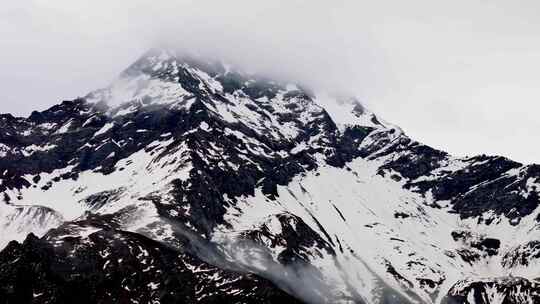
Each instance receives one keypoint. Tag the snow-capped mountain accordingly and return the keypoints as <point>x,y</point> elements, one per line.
<point>189,181</point>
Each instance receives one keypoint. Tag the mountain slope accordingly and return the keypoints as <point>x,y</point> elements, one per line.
<point>278,193</point>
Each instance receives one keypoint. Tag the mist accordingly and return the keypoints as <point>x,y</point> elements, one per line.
<point>459,76</point>
<point>302,280</point>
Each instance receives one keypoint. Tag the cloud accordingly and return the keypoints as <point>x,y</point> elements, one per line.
<point>85,43</point>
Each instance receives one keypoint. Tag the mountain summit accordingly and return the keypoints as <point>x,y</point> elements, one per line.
<point>188,181</point>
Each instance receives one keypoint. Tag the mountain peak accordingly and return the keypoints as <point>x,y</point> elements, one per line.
<point>161,59</point>
<point>163,77</point>
<point>188,180</point>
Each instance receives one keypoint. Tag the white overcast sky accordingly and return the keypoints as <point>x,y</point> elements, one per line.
<point>457,75</point>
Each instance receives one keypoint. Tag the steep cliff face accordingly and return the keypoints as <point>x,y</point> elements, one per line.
<point>189,181</point>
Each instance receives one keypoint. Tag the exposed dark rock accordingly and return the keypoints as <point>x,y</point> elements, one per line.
<point>112,266</point>
<point>506,290</point>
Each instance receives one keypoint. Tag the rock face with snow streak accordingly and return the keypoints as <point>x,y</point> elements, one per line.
<point>189,181</point>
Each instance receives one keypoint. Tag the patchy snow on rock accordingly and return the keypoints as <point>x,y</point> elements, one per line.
<point>315,193</point>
